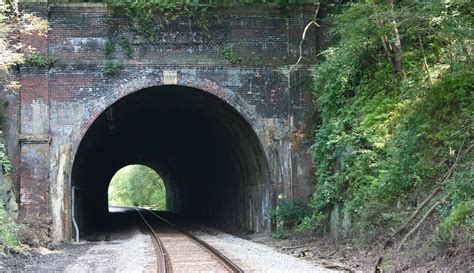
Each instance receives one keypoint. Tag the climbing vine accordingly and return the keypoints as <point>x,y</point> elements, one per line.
<point>146,18</point>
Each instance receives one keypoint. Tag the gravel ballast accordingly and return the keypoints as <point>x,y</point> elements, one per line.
<point>122,255</point>
<point>255,257</point>
<point>133,253</point>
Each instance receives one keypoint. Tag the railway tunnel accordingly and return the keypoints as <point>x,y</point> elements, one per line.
<point>210,158</point>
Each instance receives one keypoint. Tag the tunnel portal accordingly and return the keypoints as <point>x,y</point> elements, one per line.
<point>211,160</point>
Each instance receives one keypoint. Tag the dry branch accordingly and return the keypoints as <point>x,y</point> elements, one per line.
<point>425,62</point>
<point>418,225</point>
<point>313,22</point>
<point>436,191</point>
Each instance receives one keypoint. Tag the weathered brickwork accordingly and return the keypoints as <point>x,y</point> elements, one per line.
<point>59,103</point>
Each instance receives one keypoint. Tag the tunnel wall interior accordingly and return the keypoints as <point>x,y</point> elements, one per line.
<point>211,160</point>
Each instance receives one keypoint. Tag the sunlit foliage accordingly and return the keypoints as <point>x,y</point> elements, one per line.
<point>386,138</point>
<point>138,186</point>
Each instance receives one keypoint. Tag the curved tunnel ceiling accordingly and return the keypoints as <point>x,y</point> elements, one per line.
<point>208,155</point>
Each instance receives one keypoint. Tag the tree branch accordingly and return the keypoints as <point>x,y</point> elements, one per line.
<point>418,225</point>
<point>435,192</point>
<point>313,22</point>
<point>424,60</point>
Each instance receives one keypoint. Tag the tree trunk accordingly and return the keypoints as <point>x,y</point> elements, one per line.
<point>397,45</point>
<point>393,50</point>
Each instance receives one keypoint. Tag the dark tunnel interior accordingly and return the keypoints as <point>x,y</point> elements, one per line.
<point>209,157</point>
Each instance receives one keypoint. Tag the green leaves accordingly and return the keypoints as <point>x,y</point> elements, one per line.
<point>289,214</point>
<point>384,139</point>
<point>137,185</point>
<point>37,60</point>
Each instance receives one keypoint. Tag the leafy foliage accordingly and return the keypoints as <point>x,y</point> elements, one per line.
<point>39,61</point>
<point>280,234</point>
<point>9,50</point>
<point>112,68</point>
<point>9,56</point>
<point>447,229</point>
<point>386,138</point>
<point>289,214</point>
<point>137,185</point>
<point>126,46</point>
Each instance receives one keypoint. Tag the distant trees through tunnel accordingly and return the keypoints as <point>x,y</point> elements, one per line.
<point>207,154</point>
<point>137,186</point>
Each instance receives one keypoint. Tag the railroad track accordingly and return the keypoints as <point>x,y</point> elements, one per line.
<point>180,251</point>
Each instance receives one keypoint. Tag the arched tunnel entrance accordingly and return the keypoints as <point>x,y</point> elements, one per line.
<point>211,160</point>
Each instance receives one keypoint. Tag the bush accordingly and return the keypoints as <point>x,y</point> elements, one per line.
<point>280,234</point>
<point>316,222</point>
<point>289,214</point>
<point>459,217</point>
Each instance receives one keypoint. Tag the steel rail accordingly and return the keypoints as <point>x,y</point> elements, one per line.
<point>221,257</point>
<point>163,265</point>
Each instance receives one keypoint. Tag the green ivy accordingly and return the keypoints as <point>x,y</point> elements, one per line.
<point>143,15</point>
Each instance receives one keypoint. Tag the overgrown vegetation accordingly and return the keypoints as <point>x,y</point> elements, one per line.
<point>9,56</point>
<point>112,68</point>
<point>287,216</point>
<point>147,17</point>
<point>9,50</point>
<point>127,47</point>
<point>8,227</point>
<point>137,185</point>
<point>37,60</point>
<point>395,97</point>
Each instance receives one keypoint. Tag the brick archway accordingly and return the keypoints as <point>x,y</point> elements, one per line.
<point>127,87</point>
<point>254,182</point>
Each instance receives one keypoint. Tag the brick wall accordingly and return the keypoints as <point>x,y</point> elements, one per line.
<point>59,102</point>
